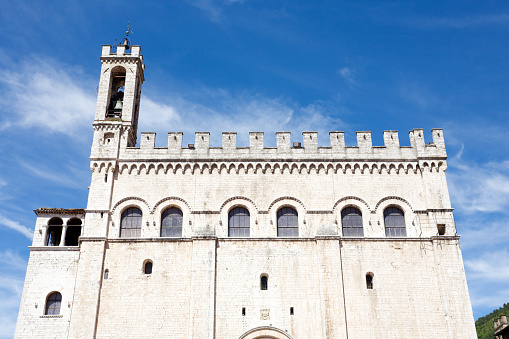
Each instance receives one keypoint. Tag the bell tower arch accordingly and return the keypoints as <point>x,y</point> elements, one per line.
<point>119,91</point>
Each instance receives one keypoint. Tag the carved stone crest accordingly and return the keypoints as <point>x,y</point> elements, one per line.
<point>264,314</point>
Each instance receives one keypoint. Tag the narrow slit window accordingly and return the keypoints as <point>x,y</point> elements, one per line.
<point>369,281</point>
<point>243,311</point>
<point>106,274</point>
<point>264,281</point>
<point>291,310</point>
<point>148,267</point>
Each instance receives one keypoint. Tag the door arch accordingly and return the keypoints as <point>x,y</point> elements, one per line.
<point>266,332</point>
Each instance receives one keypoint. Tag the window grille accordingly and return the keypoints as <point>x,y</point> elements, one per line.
<point>130,225</point>
<point>351,220</point>
<point>238,222</point>
<point>287,222</point>
<point>171,223</point>
<point>394,220</point>
<point>53,304</point>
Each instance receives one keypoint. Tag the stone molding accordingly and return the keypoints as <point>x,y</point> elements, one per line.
<point>266,167</point>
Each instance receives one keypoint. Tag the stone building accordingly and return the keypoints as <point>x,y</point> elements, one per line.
<point>501,327</point>
<point>294,241</point>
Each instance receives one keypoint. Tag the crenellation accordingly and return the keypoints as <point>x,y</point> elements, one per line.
<point>391,139</point>
<point>175,141</point>
<point>202,141</point>
<point>283,142</point>
<point>255,141</point>
<point>364,142</point>
<point>229,141</point>
<point>310,142</point>
<point>148,140</point>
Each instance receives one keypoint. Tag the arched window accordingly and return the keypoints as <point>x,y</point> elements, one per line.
<point>147,269</point>
<point>287,222</point>
<point>54,233</point>
<point>351,221</point>
<point>394,220</point>
<point>73,232</point>
<point>264,282</point>
<point>238,222</point>
<point>130,225</point>
<point>369,281</point>
<point>53,302</point>
<point>171,222</point>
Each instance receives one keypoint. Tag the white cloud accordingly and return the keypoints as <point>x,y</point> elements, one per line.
<point>57,176</point>
<point>13,261</point>
<point>10,294</point>
<point>475,188</point>
<point>16,226</point>
<point>218,111</point>
<point>41,93</point>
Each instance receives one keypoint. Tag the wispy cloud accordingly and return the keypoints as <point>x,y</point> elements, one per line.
<point>10,294</point>
<point>348,75</point>
<point>217,111</point>
<point>40,93</point>
<point>213,8</point>
<point>16,226</point>
<point>479,187</point>
<point>59,176</point>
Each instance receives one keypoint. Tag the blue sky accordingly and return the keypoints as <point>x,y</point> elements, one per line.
<point>249,65</point>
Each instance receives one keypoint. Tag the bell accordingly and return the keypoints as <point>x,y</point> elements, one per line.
<point>118,105</point>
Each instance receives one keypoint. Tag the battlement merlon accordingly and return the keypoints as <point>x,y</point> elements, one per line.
<point>285,149</point>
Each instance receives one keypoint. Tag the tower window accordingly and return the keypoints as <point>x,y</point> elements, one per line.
<point>148,267</point>
<point>171,222</point>
<point>287,222</point>
<point>369,281</point>
<point>351,222</point>
<point>53,304</point>
<point>116,102</point>
<point>54,235</point>
<point>394,220</point>
<point>73,232</point>
<point>106,274</point>
<point>130,224</point>
<point>264,281</point>
<point>238,222</point>
<point>243,311</point>
<point>291,310</point>
<point>441,229</point>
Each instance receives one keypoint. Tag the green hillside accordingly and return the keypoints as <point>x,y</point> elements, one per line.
<point>484,325</point>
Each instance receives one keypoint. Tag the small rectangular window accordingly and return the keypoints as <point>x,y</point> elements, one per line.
<point>291,310</point>
<point>243,311</point>
<point>106,273</point>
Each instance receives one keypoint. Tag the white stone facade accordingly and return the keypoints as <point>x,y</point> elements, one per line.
<point>205,284</point>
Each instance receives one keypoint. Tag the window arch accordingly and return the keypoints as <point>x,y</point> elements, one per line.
<point>394,220</point>
<point>54,233</point>
<point>351,221</point>
<point>53,302</point>
<point>238,222</point>
<point>287,222</point>
<point>171,222</point>
<point>73,232</point>
<point>264,282</point>
<point>130,224</point>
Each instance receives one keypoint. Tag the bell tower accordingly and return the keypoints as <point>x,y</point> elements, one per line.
<point>118,99</point>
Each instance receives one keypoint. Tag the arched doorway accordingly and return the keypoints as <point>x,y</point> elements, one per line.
<point>266,332</point>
